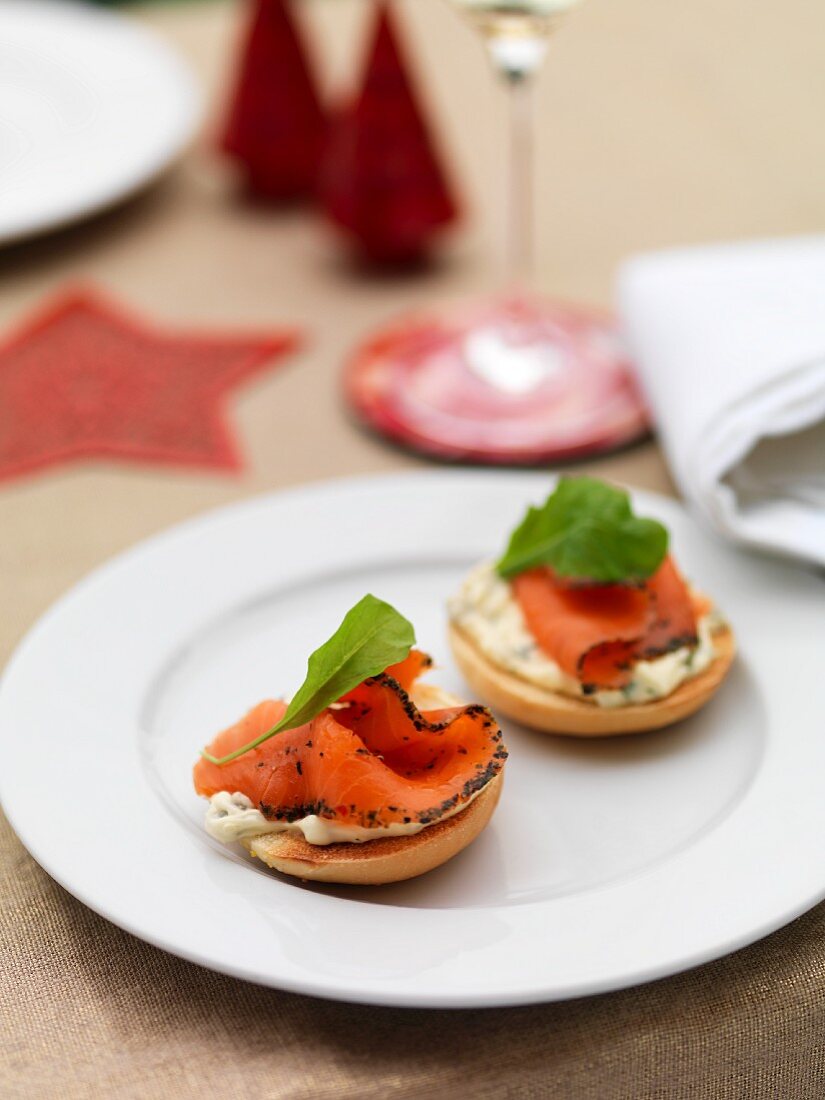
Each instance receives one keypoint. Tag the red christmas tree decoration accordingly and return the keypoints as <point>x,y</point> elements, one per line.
<point>84,380</point>
<point>276,125</point>
<point>381,180</point>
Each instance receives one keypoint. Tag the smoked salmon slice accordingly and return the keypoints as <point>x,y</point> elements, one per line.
<point>371,760</point>
<point>595,633</point>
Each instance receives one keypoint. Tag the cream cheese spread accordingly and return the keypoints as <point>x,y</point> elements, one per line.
<point>232,816</point>
<point>487,612</point>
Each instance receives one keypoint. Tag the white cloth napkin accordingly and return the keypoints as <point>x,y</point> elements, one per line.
<point>729,341</point>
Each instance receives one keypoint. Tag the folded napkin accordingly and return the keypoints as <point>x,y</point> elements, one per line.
<point>730,346</point>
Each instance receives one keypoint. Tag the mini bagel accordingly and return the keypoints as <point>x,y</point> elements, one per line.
<point>376,862</point>
<point>553,712</point>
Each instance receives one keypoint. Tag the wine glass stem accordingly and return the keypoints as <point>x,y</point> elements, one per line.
<point>519,254</point>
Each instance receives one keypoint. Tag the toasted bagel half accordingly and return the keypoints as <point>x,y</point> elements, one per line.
<point>553,712</point>
<point>376,862</point>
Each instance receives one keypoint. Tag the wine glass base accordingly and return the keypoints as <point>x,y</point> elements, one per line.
<point>516,380</point>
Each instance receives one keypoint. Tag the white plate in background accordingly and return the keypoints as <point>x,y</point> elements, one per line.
<point>607,863</point>
<point>92,108</point>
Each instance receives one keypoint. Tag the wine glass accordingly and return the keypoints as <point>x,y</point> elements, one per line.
<point>517,34</point>
<point>514,378</point>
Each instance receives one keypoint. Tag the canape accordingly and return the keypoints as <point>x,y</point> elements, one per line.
<point>366,776</point>
<point>585,625</point>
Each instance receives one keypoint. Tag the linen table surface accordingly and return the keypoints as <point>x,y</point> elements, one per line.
<point>660,124</point>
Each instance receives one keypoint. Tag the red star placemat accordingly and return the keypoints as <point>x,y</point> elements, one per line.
<point>83,379</point>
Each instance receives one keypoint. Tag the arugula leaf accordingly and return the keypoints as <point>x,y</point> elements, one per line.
<point>372,636</point>
<point>586,529</point>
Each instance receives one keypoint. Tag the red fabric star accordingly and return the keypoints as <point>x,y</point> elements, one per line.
<point>82,379</point>
<point>381,179</point>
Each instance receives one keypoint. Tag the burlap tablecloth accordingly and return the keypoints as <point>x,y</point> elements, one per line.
<point>660,124</point>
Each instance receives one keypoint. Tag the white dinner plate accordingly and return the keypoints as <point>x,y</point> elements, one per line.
<point>92,108</point>
<point>607,862</point>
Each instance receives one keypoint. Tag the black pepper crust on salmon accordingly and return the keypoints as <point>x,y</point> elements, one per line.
<point>373,760</point>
